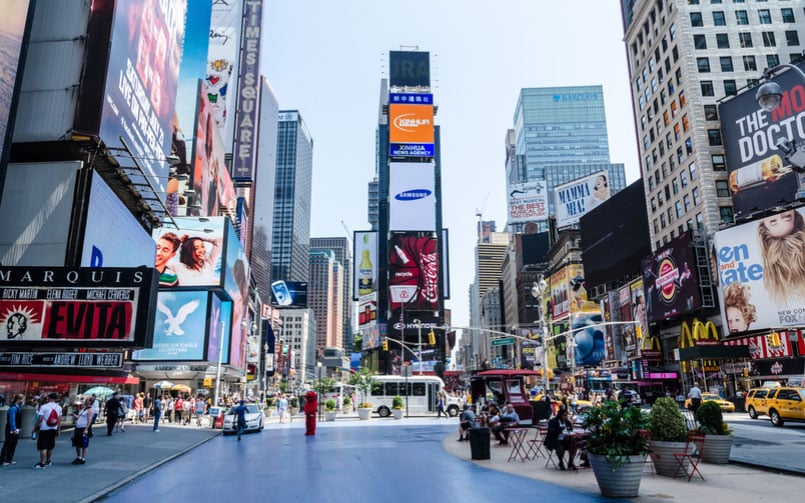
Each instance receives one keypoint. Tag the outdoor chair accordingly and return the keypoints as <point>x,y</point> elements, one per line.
<point>695,440</point>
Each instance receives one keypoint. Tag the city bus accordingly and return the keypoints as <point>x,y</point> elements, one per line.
<point>420,394</point>
<point>337,394</point>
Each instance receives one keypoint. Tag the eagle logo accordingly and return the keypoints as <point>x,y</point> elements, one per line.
<point>175,322</point>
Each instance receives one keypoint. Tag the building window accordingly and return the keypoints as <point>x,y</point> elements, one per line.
<point>722,40</point>
<point>678,207</point>
<point>653,204</point>
<point>718,18</point>
<point>726,63</point>
<point>695,195</point>
<point>707,88</point>
<point>682,100</point>
<point>670,216</point>
<point>750,65</point>
<point>730,87</point>
<point>764,16</point>
<point>792,37</point>
<point>675,186</point>
<point>788,15</point>
<point>699,221</point>
<point>741,17</point>
<point>672,31</point>
<point>686,200</point>
<point>711,112</point>
<point>726,214</point>
<point>662,220</point>
<point>683,178</point>
<point>722,189</point>
<point>692,169</point>
<point>745,39</point>
<point>768,39</point>
<point>696,19</point>
<point>650,183</point>
<point>699,42</point>
<point>703,64</point>
<point>656,228</point>
<point>772,60</point>
<point>685,124</point>
<point>718,162</point>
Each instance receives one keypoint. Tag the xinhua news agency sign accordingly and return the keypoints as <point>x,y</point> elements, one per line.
<point>77,307</point>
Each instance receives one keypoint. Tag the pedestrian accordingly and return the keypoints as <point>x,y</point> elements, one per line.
<point>240,412</point>
<point>138,407</point>
<point>178,407</point>
<point>282,407</point>
<point>311,407</point>
<point>157,412</point>
<point>440,405</point>
<point>96,405</point>
<point>695,395</point>
<point>201,409</point>
<point>167,406</point>
<point>14,416</point>
<point>112,408</point>
<point>82,433</point>
<point>122,414</point>
<point>188,407</point>
<point>47,428</point>
<point>148,404</point>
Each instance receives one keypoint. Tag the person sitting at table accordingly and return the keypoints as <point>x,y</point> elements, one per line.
<point>467,420</point>
<point>560,439</point>
<point>508,419</point>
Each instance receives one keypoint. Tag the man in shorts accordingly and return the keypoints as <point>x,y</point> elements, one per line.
<point>48,427</point>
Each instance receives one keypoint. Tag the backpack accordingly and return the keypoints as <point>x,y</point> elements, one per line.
<point>53,418</point>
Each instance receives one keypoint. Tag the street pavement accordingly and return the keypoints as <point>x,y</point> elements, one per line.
<point>119,463</point>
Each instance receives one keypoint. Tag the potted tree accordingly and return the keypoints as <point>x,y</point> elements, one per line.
<point>268,407</point>
<point>365,381</point>
<point>329,410</point>
<point>718,435</point>
<point>397,407</point>
<point>617,448</point>
<point>347,403</point>
<point>668,435</point>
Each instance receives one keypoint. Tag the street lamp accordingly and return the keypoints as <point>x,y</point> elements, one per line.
<point>768,97</point>
<point>419,342</point>
<point>537,290</point>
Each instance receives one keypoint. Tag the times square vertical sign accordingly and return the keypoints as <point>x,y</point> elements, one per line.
<point>246,116</point>
<point>77,307</point>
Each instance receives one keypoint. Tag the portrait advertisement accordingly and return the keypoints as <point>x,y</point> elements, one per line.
<point>192,254</point>
<point>179,328</point>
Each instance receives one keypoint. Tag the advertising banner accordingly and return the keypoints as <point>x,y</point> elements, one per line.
<point>244,159</point>
<point>290,294</point>
<point>668,278</point>
<point>141,82</point>
<point>219,330</point>
<point>180,327</point>
<point>761,273</point>
<point>412,197</point>
<point>626,313</point>
<point>760,176</point>
<point>403,326</point>
<point>411,131</point>
<point>589,347</point>
<point>559,294</point>
<point>367,310</point>
<point>236,285</point>
<point>528,202</point>
<point>578,291</point>
<point>190,255</point>
<point>12,49</point>
<point>88,307</point>
<point>212,185</point>
<point>365,272</point>
<point>409,70</point>
<point>574,199</point>
<point>222,63</point>
<point>773,345</point>
<point>413,270</point>
<point>371,337</point>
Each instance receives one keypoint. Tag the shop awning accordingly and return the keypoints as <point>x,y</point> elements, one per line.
<point>715,352</point>
<point>69,378</point>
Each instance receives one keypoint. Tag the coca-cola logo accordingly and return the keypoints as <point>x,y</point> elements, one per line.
<point>430,268</point>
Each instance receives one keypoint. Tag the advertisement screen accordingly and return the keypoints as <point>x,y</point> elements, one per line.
<point>291,294</point>
<point>528,202</point>
<point>219,327</point>
<point>559,293</point>
<point>671,286</point>
<point>180,327</point>
<point>578,291</point>
<point>141,81</point>
<point>759,175</point>
<point>12,36</point>
<point>412,197</point>
<point>222,63</point>
<point>413,270</point>
<point>367,310</point>
<point>761,273</point>
<point>113,237</point>
<point>403,326</point>
<point>365,273</point>
<point>190,255</point>
<point>589,339</point>
<point>638,305</point>
<point>409,70</point>
<point>212,184</point>
<point>411,131</point>
<point>574,199</point>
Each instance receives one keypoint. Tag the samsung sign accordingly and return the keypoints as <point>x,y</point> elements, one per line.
<point>412,201</point>
<point>413,195</point>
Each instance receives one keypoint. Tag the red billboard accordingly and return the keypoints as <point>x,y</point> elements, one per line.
<point>414,270</point>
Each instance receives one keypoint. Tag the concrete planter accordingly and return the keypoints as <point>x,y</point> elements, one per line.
<point>329,416</point>
<point>663,457</point>
<point>618,481</point>
<point>364,413</point>
<point>717,449</point>
<point>397,413</point>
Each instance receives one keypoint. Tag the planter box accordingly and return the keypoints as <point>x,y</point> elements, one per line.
<point>717,449</point>
<point>397,413</point>
<point>663,457</point>
<point>364,413</point>
<point>620,481</point>
<point>329,416</point>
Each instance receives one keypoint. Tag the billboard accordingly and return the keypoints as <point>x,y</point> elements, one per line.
<point>365,273</point>
<point>13,33</point>
<point>244,157</point>
<point>112,235</point>
<point>577,291</point>
<point>403,326</point>
<point>574,199</point>
<point>219,329</point>
<point>412,196</point>
<point>528,202</point>
<point>190,255</point>
<point>559,293</point>
<point>773,345</point>
<point>222,64</point>
<point>367,310</point>
<point>79,306</point>
<point>141,81</point>
<point>638,305</point>
<point>413,270</point>
<point>290,294</point>
<point>236,285</point>
<point>409,70</point>
<point>180,327</point>
<point>411,130</point>
<point>588,335</point>
<point>212,185</point>
<point>760,177</point>
<point>761,273</point>
<point>671,286</point>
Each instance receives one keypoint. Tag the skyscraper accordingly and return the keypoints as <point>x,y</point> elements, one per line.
<point>292,193</point>
<point>343,255</point>
<point>325,291</point>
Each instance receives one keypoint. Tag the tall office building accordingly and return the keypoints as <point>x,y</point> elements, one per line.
<point>560,134</point>
<point>324,297</point>
<point>684,57</point>
<point>292,193</point>
<point>343,256</point>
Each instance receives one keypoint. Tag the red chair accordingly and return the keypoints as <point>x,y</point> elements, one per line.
<point>693,454</point>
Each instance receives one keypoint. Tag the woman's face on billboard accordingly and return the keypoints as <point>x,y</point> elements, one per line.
<point>781,224</point>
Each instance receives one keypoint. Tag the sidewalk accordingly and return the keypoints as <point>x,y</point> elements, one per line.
<point>111,462</point>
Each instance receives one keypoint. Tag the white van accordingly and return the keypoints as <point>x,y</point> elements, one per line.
<point>419,396</point>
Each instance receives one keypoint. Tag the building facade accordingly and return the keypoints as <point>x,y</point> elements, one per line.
<point>343,255</point>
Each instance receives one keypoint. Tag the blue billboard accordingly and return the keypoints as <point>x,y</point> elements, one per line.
<point>180,327</point>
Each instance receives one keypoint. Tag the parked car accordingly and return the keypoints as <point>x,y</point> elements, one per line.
<point>631,397</point>
<point>780,404</point>
<point>712,397</point>
<point>254,419</point>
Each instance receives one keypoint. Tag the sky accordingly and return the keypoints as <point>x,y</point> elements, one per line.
<point>325,58</point>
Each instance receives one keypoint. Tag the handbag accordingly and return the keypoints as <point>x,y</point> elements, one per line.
<point>85,441</point>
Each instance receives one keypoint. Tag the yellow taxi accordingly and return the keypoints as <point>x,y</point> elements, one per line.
<point>712,397</point>
<point>780,404</point>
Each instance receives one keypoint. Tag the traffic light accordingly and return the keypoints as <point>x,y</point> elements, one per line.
<point>431,338</point>
<point>639,330</point>
<point>385,345</point>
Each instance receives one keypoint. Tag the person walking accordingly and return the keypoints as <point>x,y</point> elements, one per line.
<point>148,404</point>
<point>47,428</point>
<point>188,409</point>
<point>157,412</point>
<point>440,406</point>
<point>201,409</point>
<point>137,405</point>
<point>695,395</point>
<point>82,433</point>
<point>282,407</point>
<point>122,415</point>
<point>112,408</point>
<point>12,430</point>
<point>240,412</point>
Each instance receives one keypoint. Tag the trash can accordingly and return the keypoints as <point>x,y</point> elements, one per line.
<point>26,425</point>
<point>217,417</point>
<point>479,443</point>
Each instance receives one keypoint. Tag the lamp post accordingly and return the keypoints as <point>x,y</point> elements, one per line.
<point>419,343</point>
<point>768,97</point>
<point>220,363</point>
<point>537,290</point>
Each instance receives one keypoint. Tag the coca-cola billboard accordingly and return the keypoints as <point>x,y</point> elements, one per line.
<point>414,270</point>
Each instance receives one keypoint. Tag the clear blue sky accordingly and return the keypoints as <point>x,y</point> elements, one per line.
<point>326,58</point>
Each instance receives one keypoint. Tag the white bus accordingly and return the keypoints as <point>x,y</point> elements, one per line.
<point>340,390</point>
<point>420,394</point>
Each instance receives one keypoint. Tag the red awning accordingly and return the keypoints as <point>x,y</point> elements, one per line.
<point>70,378</point>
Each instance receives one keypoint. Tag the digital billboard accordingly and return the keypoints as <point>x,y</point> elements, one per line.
<point>290,294</point>
<point>367,310</point>
<point>761,273</point>
<point>192,254</point>
<point>671,285</point>
<point>577,290</point>
<point>409,70</point>
<point>413,270</point>
<point>236,285</point>
<point>141,81</point>
<point>180,327</point>
<point>588,335</point>
<point>528,202</point>
<point>365,269</point>
<point>113,237</point>
<point>79,306</point>
<point>411,130</point>
<point>759,175</point>
<point>403,326</point>
<point>219,327</point>
<point>638,305</point>
<point>222,63</point>
<point>212,184</point>
<point>560,301</point>
<point>574,199</point>
<point>412,196</point>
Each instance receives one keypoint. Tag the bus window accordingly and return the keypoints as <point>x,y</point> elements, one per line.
<point>514,387</point>
<point>391,388</point>
<point>418,389</point>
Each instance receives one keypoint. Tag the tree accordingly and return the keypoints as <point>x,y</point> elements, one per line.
<point>364,380</point>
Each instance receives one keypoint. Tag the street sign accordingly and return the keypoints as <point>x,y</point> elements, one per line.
<point>503,341</point>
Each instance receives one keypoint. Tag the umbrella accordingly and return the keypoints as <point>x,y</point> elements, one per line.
<point>163,384</point>
<point>181,387</point>
<point>100,391</point>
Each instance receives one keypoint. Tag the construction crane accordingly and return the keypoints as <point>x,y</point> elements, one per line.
<point>349,234</point>
<point>480,214</point>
